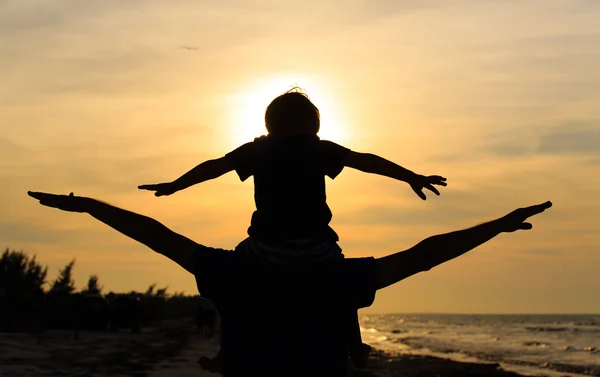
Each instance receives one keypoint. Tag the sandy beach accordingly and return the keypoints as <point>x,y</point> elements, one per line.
<point>171,349</point>
<point>57,353</point>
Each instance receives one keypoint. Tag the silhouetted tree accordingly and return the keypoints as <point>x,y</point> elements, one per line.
<point>21,291</point>
<point>150,290</point>
<point>153,292</point>
<point>64,283</point>
<point>92,309</point>
<point>154,303</point>
<point>161,293</point>
<point>20,275</point>
<point>62,304</point>
<point>92,286</point>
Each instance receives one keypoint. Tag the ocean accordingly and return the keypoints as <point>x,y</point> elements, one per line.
<point>550,345</point>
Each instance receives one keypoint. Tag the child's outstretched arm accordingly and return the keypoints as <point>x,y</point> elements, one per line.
<point>370,163</point>
<point>207,170</point>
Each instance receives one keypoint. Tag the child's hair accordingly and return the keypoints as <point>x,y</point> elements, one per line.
<point>292,113</point>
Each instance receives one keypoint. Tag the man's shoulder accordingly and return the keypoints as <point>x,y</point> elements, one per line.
<point>258,142</point>
<point>332,146</point>
<point>260,139</point>
<point>330,143</point>
<point>250,146</point>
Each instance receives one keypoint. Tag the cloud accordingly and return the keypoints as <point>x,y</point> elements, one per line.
<point>13,154</point>
<point>28,15</point>
<point>572,138</point>
<point>70,236</point>
<point>576,138</point>
<point>14,233</point>
<point>592,161</point>
<point>8,148</point>
<point>541,251</point>
<point>190,48</point>
<point>553,42</point>
<point>110,48</point>
<point>457,208</point>
<point>389,8</point>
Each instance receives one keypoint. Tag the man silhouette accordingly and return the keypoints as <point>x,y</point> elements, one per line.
<point>268,340</point>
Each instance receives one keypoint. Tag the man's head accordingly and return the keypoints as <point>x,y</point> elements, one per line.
<point>292,113</point>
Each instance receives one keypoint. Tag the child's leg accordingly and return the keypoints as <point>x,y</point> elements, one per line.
<point>215,364</point>
<point>357,350</point>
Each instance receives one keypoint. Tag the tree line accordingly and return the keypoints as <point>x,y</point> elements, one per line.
<point>26,304</point>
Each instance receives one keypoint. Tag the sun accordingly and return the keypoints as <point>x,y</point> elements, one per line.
<point>246,120</point>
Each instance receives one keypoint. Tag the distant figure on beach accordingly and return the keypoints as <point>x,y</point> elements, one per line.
<point>291,223</point>
<point>232,280</point>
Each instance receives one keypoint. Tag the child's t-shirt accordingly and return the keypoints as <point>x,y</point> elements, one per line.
<point>289,186</point>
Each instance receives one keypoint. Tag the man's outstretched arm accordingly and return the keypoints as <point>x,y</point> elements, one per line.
<point>438,249</point>
<point>141,228</point>
<point>370,163</point>
<point>205,171</point>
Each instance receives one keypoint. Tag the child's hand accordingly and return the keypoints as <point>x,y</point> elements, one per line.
<point>161,189</point>
<point>419,182</point>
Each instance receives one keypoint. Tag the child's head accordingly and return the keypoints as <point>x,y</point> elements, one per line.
<point>292,113</point>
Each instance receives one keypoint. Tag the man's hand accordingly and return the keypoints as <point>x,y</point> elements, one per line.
<point>162,189</point>
<point>70,203</point>
<point>419,182</point>
<point>516,219</point>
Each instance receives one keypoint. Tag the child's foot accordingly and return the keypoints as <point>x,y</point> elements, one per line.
<point>214,365</point>
<point>359,355</point>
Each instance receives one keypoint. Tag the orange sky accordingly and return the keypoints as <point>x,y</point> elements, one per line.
<point>500,97</point>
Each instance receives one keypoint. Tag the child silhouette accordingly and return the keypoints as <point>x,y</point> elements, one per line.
<point>289,165</point>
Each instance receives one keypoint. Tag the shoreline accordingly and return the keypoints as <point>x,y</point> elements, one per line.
<point>386,364</point>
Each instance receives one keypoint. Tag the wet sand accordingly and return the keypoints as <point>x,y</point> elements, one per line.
<point>383,364</point>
